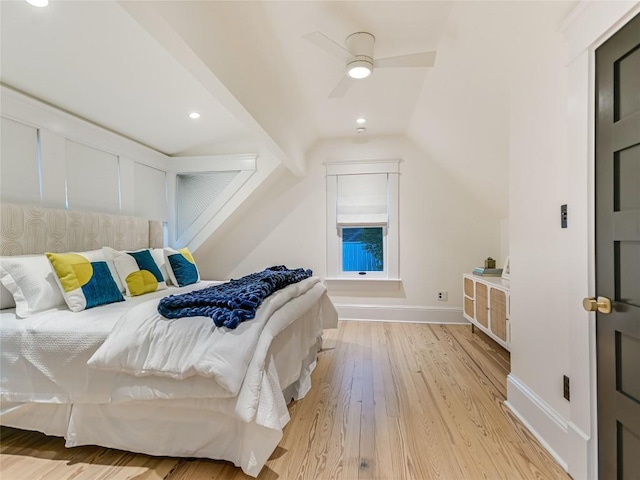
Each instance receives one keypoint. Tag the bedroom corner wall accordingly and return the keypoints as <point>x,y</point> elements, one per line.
<point>444,231</point>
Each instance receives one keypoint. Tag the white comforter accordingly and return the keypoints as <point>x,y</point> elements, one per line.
<point>144,343</point>
<point>44,357</point>
<point>141,377</point>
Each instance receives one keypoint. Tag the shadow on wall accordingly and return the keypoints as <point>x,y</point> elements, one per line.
<point>248,226</point>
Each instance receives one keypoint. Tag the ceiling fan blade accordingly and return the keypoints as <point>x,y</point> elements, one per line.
<point>323,42</point>
<point>422,59</point>
<point>343,86</point>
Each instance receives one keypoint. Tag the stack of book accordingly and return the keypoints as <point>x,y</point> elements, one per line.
<point>487,272</point>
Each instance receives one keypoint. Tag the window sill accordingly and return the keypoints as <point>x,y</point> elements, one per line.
<point>365,283</point>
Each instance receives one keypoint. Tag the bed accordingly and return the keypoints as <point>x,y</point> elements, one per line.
<point>188,390</point>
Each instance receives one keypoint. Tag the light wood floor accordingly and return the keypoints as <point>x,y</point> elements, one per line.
<point>389,401</point>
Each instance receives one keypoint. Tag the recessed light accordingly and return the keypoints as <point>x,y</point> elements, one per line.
<point>194,115</point>
<point>361,121</point>
<point>38,3</point>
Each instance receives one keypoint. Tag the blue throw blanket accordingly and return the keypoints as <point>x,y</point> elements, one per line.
<point>232,302</point>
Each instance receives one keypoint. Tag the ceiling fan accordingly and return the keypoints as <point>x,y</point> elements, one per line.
<point>358,56</point>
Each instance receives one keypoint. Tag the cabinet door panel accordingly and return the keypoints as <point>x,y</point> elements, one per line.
<point>468,287</point>
<point>482,305</point>
<point>468,307</point>
<point>498,301</point>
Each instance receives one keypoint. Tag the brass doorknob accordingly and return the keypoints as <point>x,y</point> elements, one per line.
<point>602,304</point>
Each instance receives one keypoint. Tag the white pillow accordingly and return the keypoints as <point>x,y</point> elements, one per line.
<point>158,257</point>
<point>32,283</point>
<point>6,299</point>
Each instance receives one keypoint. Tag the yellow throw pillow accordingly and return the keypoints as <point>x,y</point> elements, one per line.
<point>138,271</point>
<point>84,279</point>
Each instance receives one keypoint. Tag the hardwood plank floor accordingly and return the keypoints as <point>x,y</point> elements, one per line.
<point>389,401</point>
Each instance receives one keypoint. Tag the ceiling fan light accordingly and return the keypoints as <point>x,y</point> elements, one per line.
<point>359,69</point>
<point>38,3</point>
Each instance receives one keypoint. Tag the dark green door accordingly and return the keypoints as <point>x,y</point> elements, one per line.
<point>618,252</point>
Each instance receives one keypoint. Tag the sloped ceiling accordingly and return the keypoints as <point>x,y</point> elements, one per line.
<point>92,59</point>
<point>140,67</point>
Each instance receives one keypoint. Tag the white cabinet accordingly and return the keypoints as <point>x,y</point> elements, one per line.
<point>486,306</point>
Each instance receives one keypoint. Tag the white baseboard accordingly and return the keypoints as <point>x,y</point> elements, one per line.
<point>401,313</point>
<point>579,454</point>
<point>543,422</point>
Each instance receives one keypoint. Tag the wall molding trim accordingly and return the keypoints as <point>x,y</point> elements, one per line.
<point>23,108</point>
<point>547,425</point>
<point>400,313</point>
<point>244,164</point>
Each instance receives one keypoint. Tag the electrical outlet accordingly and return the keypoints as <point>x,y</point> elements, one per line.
<point>566,388</point>
<point>442,296</point>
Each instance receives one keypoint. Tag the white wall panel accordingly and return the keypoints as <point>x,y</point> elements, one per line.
<point>127,186</point>
<point>92,179</point>
<point>19,162</point>
<point>69,168</point>
<point>53,169</point>
<point>150,192</point>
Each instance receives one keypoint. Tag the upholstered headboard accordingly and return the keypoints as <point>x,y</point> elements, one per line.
<point>29,229</point>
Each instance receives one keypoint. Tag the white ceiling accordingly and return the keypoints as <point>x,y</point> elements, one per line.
<point>387,98</point>
<point>98,61</point>
<point>92,59</point>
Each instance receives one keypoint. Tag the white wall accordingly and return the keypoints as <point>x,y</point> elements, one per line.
<point>552,269</point>
<point>444,230</point>
<point>462,116</point>
<point>538,246</point>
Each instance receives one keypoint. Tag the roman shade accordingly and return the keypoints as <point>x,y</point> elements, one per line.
<point>362,199</point>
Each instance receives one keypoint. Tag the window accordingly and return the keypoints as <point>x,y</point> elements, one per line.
<point>362,228</point>
<point>363,249</point>
<point>195,192</point>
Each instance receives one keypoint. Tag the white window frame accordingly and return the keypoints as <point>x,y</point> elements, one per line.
<point>390,232</point>
<point>369,274</point>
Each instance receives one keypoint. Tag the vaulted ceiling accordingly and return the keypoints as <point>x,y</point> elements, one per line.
<point>122,65</point>
<point>140,67</point>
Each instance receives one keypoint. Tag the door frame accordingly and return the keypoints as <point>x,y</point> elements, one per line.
<point>586,28</point>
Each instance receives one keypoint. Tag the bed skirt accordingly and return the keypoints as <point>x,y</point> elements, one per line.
<point>187,427</point>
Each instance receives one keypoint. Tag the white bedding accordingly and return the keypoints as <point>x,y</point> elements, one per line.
<point>144,343</point>
<point>239,404</point>
<point>44,357</point>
